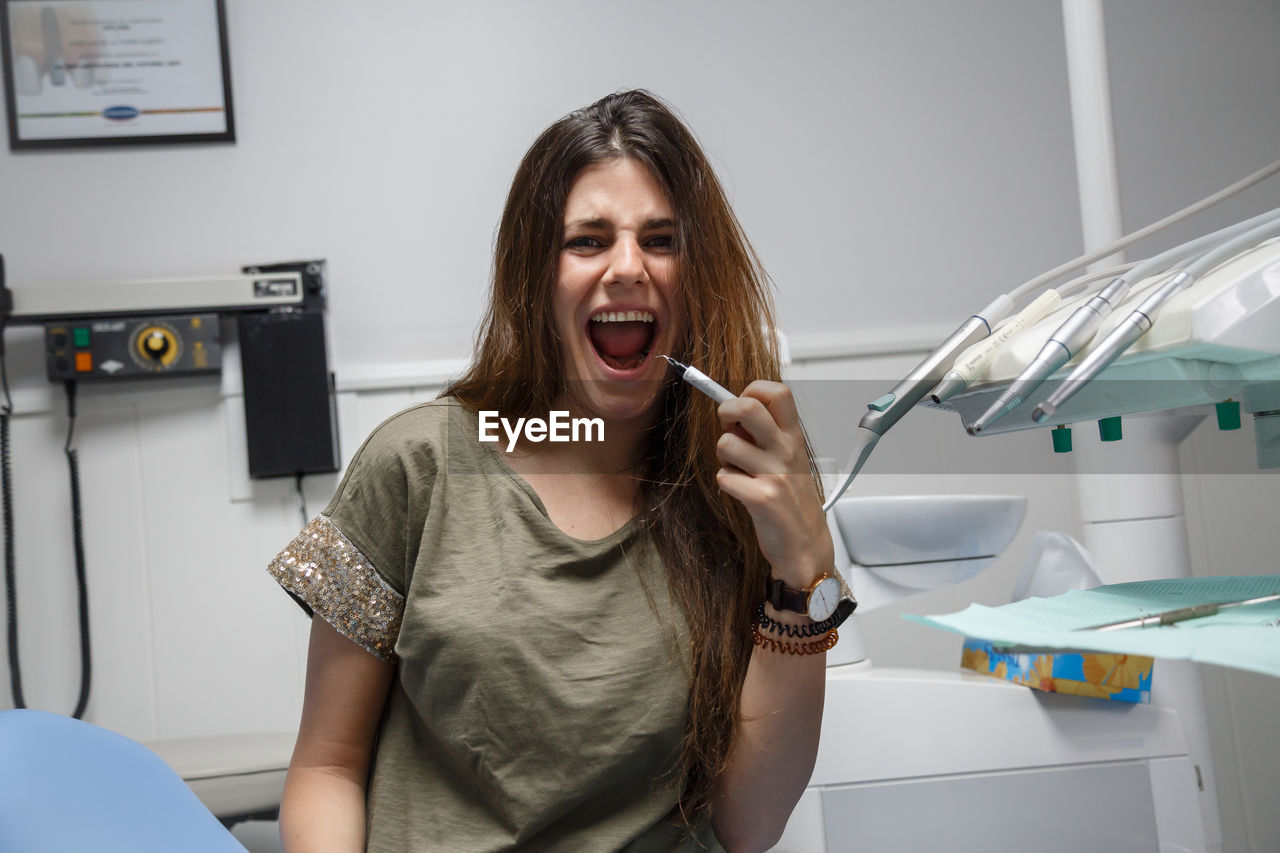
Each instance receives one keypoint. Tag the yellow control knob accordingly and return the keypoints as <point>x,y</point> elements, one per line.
<point>155,345</point>
<point>158,346</point>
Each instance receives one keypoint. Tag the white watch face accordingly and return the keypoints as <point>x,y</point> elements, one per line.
<point>823,599</point>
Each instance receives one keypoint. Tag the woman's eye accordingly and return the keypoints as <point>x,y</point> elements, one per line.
<point>663,241</point>
<point>583,243</point>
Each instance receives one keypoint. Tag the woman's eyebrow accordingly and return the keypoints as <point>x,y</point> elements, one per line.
<point>601,224</point>
<point>595,224</point>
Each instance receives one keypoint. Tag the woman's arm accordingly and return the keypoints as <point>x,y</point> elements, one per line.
<point>774,749</point>
<point>776,744</point>
<point>324,792</point>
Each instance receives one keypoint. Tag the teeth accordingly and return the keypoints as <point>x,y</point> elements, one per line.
<point>622,317</point>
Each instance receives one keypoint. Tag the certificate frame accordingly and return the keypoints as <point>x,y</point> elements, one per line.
<point>112,117</point>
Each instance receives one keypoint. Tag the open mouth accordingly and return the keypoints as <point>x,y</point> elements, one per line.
<point>622,339</point>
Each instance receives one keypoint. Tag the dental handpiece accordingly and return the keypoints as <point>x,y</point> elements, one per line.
<point>1079,329</point>
<point>976,357</point>
<point>1067,340</point>
<point>886,410</point>
<point>1140,320</point>
<point>701,381</point>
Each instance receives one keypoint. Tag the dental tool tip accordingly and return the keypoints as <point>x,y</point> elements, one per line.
<point>952,384</point>
<point>1043,412</point>
<point>678,365</point>
<point>973,428</point>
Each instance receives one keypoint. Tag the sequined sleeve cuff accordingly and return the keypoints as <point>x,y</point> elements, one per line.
<point>325,570</point>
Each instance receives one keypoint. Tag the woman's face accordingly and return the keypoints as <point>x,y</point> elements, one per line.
<point>616,303</point>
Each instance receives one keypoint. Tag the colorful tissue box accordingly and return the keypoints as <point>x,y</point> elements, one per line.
<point>1121,678</point>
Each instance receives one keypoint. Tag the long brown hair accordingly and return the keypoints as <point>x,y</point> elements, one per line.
<point>715,571</point>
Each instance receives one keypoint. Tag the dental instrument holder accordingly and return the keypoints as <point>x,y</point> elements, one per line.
<point>1139,321</point>
<point>1077,332</point>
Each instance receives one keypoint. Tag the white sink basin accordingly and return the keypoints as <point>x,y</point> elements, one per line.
<point>923,541</point>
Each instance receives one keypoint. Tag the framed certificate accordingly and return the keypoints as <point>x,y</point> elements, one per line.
<point>115,72</point>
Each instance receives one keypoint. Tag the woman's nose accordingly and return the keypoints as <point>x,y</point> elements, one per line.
<point>627,264</point>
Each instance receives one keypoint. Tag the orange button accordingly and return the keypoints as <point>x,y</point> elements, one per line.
<point>84,362</point>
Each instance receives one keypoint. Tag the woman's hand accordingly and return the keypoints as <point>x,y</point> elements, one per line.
<point>766,467</point>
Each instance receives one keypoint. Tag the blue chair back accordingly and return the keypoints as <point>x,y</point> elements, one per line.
<point>67,786</point>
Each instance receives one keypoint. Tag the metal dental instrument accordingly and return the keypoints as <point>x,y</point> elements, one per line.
<point>1079,329</point>
<point>1141,318</point>
<point>980,354</point>
<point>1181,614</point>
<point>977,356</point>
<point>886,410</point>
<point>701,381</point>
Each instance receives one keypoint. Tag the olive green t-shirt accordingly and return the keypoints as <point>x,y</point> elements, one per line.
<point>539,698</point>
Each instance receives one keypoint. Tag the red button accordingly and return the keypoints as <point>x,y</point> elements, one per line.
<point>84,362</point>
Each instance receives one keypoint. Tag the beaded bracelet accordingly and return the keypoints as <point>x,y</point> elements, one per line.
<point>813,629</point>
<point>813,648</point>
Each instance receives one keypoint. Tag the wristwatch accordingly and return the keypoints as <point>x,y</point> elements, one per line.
<point>825,597</point>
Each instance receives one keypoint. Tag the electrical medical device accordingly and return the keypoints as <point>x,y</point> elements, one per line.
<point>174,327</point>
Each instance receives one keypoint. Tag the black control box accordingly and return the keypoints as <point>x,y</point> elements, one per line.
<point>132,347</point>
<point>290,409</point>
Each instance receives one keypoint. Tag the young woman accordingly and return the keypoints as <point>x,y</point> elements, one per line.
<point>535,644</point>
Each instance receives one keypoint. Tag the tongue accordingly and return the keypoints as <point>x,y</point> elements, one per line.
<point>621,340</point>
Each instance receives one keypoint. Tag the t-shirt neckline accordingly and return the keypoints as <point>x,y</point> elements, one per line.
<point>523,485</point>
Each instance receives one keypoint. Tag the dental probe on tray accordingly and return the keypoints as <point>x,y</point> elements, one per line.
<point>701,381</point>
<point>1181,614</point>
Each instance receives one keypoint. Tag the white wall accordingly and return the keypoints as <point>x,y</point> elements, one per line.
<point>894,163</point>
<point>853,136</point>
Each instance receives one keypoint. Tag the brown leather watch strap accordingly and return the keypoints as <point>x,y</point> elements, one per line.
<point>784,597</point>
